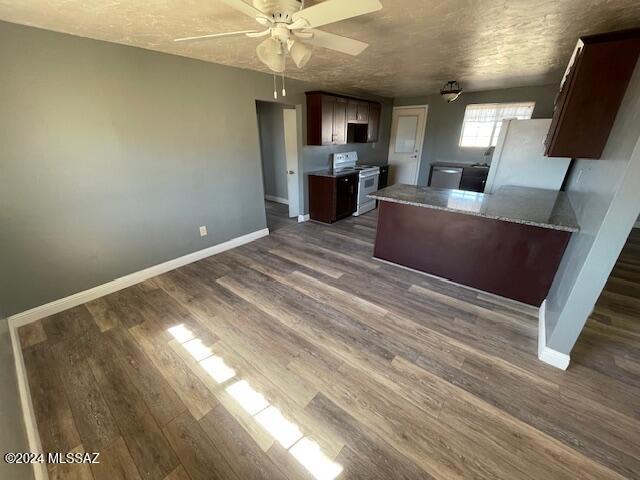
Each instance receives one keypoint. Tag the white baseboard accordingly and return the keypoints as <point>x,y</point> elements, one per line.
<point>545,354</point>
<point>273,198</point>
<point>24,318</point>
<point>28,413</point>
<point>85,296</point>
<point>303,218</point>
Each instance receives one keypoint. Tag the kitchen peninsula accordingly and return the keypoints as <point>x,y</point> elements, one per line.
<point>509,243</point>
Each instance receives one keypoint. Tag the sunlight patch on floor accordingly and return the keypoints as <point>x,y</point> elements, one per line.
<point>217,369</point>
<point>285,432</point>
<point>197,349</point>
<point>310,455</point>
<point>250,400</point>
<point>181,333</point>
<point>288,434</point>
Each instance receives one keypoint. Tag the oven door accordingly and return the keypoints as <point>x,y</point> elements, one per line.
<point>366,185</point>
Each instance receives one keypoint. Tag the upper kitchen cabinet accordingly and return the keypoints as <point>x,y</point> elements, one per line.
<point>338,120</point>
<point>375,112</point>
<point>591,93</point>
<point>357,111</point>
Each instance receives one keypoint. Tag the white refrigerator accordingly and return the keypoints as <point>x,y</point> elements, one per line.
<point>518,158</point>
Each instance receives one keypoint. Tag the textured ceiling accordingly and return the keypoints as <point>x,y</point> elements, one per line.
<point>415,45</point>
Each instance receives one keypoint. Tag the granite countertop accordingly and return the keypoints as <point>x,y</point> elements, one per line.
<point>528,206</point>
<point>459,165</point>
<point>329,172</point>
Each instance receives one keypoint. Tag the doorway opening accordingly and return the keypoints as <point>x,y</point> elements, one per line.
<point>405,148</point>
<point>278,131</point>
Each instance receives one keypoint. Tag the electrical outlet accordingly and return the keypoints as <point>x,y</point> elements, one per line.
<point>203,231</point>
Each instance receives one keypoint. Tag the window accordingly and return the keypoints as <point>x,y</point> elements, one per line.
<point>482,122</point>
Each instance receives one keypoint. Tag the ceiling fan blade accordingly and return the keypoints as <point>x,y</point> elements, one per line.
<point>336,42</point>
<point>215,35</point>
<point>259,34</point>
<point>246,8</point>
<point>331,11</point>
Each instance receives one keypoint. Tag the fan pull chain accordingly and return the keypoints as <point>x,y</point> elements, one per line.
<point>284,92</point>
<point>275,87</point>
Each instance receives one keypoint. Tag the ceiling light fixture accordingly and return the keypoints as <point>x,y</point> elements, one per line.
<point>288,22</point>
<point>300,53</point>
<point>451,91</point>
<point>270,52</point>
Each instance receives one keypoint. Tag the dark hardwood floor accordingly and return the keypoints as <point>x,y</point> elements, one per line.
<point>278,216</point>
<point>611,342</point>
<point>298,356</point>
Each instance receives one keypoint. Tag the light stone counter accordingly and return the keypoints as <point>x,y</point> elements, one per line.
<point>528,206</point>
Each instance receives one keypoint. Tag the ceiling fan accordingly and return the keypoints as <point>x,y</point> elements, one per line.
<point>291,28</point>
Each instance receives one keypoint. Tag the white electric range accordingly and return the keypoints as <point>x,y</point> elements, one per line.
<point>367,179</point>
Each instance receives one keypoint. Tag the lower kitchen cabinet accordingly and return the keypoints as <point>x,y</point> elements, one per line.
<point>474,179</point>
<point>383,179</point>
<point>332,198</point>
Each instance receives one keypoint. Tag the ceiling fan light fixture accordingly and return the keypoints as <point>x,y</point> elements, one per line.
<point>271,54</point>
<point>300,53</point>
<point>288,21</point>
<point>451,91</point>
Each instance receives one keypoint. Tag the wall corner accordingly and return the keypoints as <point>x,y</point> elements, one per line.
<point>545,354</point>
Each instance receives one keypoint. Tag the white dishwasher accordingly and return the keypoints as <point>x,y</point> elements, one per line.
<point>446,177</point>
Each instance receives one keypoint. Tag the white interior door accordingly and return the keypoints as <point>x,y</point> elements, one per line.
<point>291,154</point>
<point>405,148</point>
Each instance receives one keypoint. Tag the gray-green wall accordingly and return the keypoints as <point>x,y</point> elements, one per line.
<point>604,194</point>
<point>111,157</point>
<point>444,122</point>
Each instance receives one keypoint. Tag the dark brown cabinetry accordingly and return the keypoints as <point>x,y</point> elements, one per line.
<point>474,179</point>
<point>352,111</point>
<point>357,111</point>
<point>334,121</point>
<point>338,120</point>
<point>375,111</point>
<point>591,94</point>
<point>332,198</point>
<point>383,179</point>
